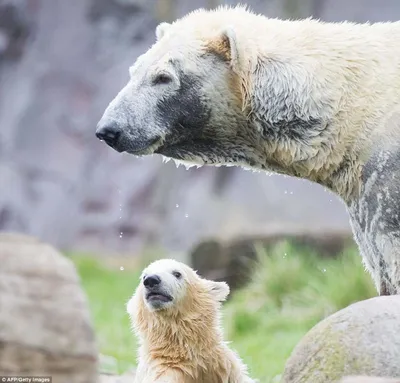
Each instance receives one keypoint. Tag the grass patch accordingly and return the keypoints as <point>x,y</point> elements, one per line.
<point>108,290</point>
<point>292,290</point>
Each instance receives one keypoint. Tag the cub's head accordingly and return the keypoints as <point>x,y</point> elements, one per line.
<point>170,288</point>
<point>184,99</point>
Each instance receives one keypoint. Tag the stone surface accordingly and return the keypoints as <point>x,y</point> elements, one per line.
<point>362,339</point>
<point>45,326</point>
<point>368,379</point>
<point>126,378</point>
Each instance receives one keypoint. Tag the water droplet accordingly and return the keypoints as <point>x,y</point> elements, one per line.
<point>324,270</point>
<point>177,205</point>
<point>284,255</point>
<point>285,191</point>
<point>291,192</point>
<point>186,215</point>
<point>122,268</point>
<point>120,234</point>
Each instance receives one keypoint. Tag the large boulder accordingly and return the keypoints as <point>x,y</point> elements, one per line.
<point>368,379</point>
<point>362,339</point>
<point>126,378</point>
<point>45,327</point>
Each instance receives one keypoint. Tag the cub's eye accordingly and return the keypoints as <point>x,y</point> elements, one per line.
<point>162,78</point>
<point>176,274</point>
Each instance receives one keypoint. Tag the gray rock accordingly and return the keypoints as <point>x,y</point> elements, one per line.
<point>45,327</point>
<point>368,379</point>
<point>126,378</point>
<point>362,339</point>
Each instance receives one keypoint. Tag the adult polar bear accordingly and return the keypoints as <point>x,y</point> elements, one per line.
<point>314,100</point>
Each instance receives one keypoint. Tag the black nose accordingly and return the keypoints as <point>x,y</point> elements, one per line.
<point>109,133</point>
<point>151,281</point>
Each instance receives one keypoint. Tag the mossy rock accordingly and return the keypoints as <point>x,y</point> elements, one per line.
<point>362,339</point>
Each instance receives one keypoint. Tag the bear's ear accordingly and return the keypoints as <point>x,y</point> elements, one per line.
<point>219,290</point>
<point>161,29</point>
<point>226,46</point>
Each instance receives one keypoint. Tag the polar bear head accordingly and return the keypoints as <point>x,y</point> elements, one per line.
<point>176,316</point>
<point>168,287</point>
<point>184,99</point>
<point>229,87</point>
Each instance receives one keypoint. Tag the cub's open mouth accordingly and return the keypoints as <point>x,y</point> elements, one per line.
<point>158,296</point>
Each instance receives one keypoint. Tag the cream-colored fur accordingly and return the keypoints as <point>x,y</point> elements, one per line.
<point>183,341</point>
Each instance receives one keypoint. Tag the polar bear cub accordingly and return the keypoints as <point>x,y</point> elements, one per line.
<point>176,316</point>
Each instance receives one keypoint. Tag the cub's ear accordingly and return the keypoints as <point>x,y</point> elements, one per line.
<point>219,290</point>
<point>161,29</point>
<point>226,46</point>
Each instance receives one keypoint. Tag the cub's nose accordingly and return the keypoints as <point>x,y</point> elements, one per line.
<point>108,132</point>
<point>151,280</point>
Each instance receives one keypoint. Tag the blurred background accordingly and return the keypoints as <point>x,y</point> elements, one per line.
<point>61,63</point>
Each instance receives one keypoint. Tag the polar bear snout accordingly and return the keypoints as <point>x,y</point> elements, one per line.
<point>123,138</point>
<point>109,132</point>
<point>156,294</point>
<point>151,280</point>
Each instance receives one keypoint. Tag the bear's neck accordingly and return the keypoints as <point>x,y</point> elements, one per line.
<point>315,101</point>
<point>172,334</point>
<point>334,166</point>
<point>188,342</point>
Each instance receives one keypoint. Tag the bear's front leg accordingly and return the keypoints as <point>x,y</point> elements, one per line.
<point>375,220</point>
<point>384,289</point>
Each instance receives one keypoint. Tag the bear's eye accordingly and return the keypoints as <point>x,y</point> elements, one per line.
<point>162,78</point>
<point>176,274</point>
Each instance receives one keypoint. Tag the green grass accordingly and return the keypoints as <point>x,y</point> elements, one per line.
<point>108,290</point>
<point>292,290</point>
